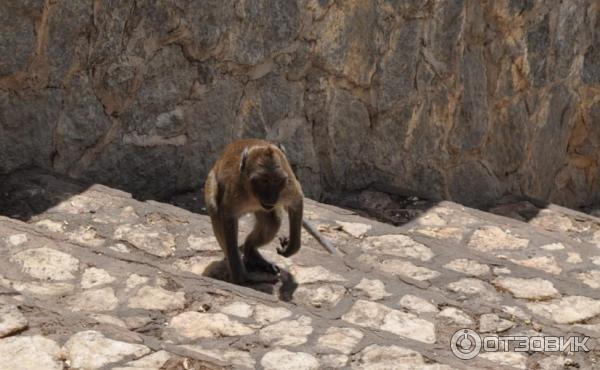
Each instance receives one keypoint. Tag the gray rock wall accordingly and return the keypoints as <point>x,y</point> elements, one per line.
<point>458,99</point>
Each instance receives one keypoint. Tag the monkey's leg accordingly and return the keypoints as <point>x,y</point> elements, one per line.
<point>265,229</point>
<point>226,230</point>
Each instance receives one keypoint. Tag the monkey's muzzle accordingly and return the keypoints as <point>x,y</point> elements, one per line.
<point>266,206</point>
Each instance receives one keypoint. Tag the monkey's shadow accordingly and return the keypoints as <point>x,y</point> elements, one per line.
<point>283,283</point>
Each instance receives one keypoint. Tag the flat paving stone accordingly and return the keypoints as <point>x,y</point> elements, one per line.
<point>492,238</point>
<point>342,340</point>
<point>94,277</point>
<point>157,298</point>
<point>387,357</point>
<point>544,263</point>
<point>47,263</point>
<point>11,320</point>
<point>276,358</point>
<point>514,360</point>
<point>193,325</point>
<point>566,310</point>
<point>327,295</point>
<point>239,359</point>
<point>378,316</point>
<point>397,245</point>
<point>30,353</point>
<point>127,284</point>
<point>417,304</point>
<point>86,235</point>
<point>264,314</point>
<point>442,233</point>
<point>17,239</point>
<point>154,360</point>
<point>399,267</point>
<point>287,333</point>
<point>200,243</point>
<point>356,229</point>
<point>493,323</point>
<point>475,287</point>
<point>103,299</point>
<point>455,316</point>
<point>197,264</point>
<point>590,278</point>
<point>535,288</point>
<point>92,350</point>
<point>150,239</point>
<point>238,309</point>
<point>42,289</point>
<point>314,274</point>
<point>468,267</point>
<point>373,288</point>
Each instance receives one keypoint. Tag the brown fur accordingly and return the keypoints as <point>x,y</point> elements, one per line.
<point>230,192</point>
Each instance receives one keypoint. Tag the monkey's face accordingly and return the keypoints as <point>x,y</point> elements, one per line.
<point>267,187</point>
<point>265,177</point>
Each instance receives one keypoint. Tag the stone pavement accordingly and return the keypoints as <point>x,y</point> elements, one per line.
<point>94,279</point>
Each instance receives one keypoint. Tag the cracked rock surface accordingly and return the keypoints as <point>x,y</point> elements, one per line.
<point>453,99</point>
<point>106,300</point>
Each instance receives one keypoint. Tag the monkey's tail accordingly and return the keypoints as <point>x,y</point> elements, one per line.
<point>211,191</point>
<point>312,230</point>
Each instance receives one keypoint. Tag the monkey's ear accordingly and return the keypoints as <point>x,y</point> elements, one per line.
<point>282,148</point>
<point>243,160</point>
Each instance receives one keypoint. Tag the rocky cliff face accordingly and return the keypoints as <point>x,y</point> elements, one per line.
<point>458,99</point>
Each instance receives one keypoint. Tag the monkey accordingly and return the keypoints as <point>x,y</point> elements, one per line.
<point>254,176</point>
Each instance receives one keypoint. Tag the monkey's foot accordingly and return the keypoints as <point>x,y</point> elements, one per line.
<point>239,277</point>
<point>255,262</point>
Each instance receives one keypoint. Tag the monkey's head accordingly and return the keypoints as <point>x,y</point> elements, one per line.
<point>264,175</point>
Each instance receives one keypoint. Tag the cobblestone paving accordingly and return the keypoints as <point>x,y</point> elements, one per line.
<point>96,279</point>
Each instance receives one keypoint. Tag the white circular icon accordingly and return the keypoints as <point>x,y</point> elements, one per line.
<point>465,344</point>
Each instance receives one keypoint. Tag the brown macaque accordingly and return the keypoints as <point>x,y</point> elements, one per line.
<point>254,176</point>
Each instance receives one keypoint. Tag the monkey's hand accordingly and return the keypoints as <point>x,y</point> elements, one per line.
<point>287,249</point>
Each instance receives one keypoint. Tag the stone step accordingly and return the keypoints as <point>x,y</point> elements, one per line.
<point>561,221</point>
<point>91,277</point>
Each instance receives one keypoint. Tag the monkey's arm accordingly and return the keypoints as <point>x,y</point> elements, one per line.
<point>291,246</point>
<point>229,230</point>
<point>312,230</point>
<point>288,247</point>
